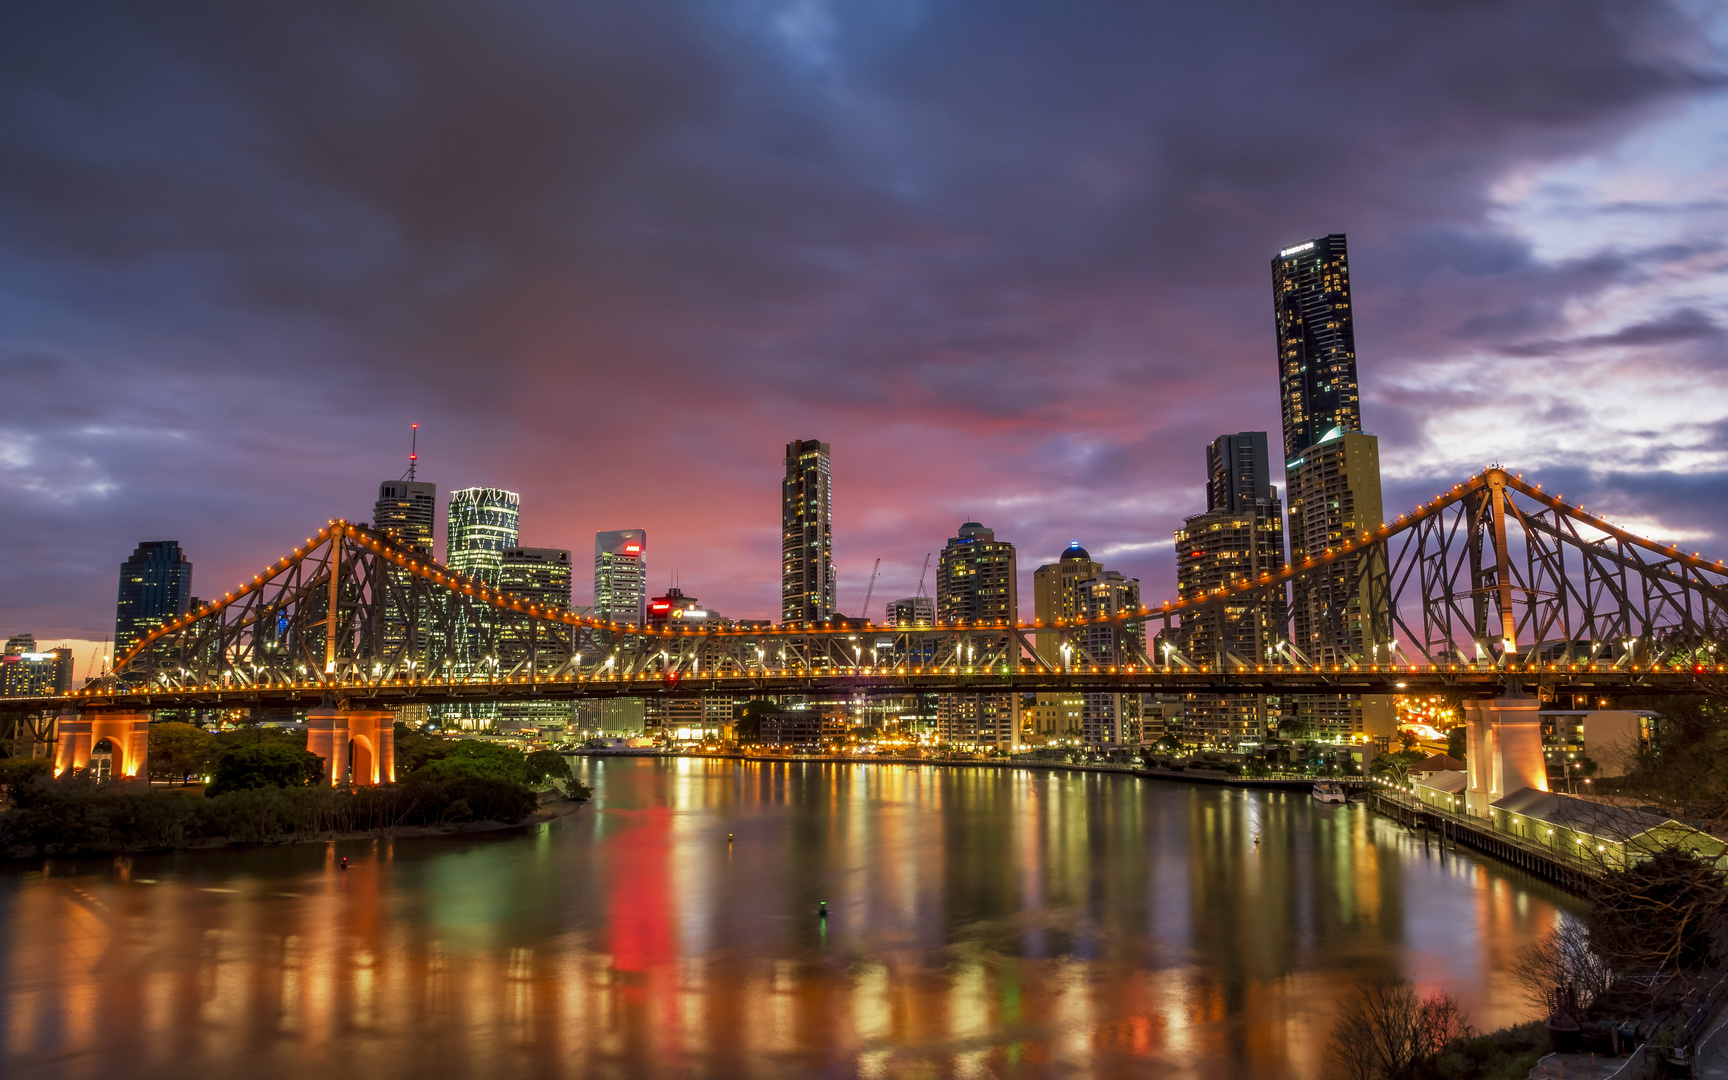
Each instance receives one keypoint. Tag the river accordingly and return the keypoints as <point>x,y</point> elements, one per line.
<point>981,922</point>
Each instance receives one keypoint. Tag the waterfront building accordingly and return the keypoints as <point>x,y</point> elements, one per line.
<point>620,575</point>
<point>1111,720</point>
<point>807,585</point>
<point>977,579</point>
<point>1332,477</point>
<point>1056,596</point>
<point>1239,538</point>
<point>155,587</point>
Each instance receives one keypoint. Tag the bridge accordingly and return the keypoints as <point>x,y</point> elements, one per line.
<point>1494,587</point>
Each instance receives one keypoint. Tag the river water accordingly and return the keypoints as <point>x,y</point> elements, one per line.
<point>981,923</point>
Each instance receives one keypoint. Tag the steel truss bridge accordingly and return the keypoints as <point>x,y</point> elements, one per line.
<point>1494,585</point>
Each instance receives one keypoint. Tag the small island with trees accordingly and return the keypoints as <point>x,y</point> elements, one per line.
<point>258,785</point>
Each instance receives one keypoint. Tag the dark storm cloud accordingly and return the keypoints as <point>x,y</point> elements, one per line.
<point>1009,258</point>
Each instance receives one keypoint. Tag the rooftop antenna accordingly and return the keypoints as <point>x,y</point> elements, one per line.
<point>413,449</point>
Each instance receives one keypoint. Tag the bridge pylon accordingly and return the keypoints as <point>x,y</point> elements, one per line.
<point>1503,749</point>
<point>358,745</point>
<point>114,741</point>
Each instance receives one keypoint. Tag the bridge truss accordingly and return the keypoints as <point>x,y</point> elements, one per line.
<point>1493,581</point>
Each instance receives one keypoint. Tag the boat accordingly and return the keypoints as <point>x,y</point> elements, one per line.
<point>1325,791</point>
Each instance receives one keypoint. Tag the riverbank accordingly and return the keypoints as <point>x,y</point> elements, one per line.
<point>1186,776</point>
<point>115,819</point>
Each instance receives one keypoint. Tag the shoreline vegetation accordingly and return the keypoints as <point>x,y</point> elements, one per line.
<point>262,787</point>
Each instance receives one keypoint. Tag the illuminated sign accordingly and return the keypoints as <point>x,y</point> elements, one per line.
<point>660,605</point>
<point>632,549</point>
<point>1298,249</point>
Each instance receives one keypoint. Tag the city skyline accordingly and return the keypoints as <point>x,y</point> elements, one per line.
<point>1009,340</point>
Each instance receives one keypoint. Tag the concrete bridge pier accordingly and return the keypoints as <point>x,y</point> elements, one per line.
<point>1503,750</point>
<point>358,745</point>
<point>114,742</point>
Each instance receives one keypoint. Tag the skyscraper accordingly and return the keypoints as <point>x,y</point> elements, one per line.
<point>807,535</point>
<point>155,586</point>
<point>1316,342</point>
<point>407,510</point>
<point>1240,538</point>
<point>620,575</point>
<point>977,579</point>
<point>1110,720</point>
<point>1332,472</point>
<point>1056,595</point>
<point>482,522</point>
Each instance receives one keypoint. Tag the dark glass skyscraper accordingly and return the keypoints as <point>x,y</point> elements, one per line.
<point>1238,472</point>
<point>1316,342</point>
<point>806,535</point>
<point>155,586</point>
<point>408,511</point>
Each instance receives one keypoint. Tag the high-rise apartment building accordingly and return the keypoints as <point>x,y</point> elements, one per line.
<point>807,585</point>
<point>977,579</point>
<point>1240,538</point>
<point>620,575</point>
<point>912,611</point>
<point>1316,342</point>
<point>407,510</point>
<point>1056,594</point>
<point>155,587</point>
<point>1332,474</point>
<point>480,525</point>
<point>1111,720</point>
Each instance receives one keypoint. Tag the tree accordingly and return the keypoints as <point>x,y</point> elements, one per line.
<point>1660,915</point>
<point>263,764</point>
<point>1385,1031</point>
<point>18,774</point>
<point>414,749</point>
<point>470,757</point>
<point>1563,967</point>
<point>180,751</point>
<point>1455,743</point>
<point>545,766</point>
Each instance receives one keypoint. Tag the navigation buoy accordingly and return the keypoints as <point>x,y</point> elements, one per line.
<point>728,838</point>
<point>344,862</point>
<point>822,912</point>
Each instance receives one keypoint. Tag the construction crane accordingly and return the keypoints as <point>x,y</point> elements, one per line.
<point>924,572</point>
<point>871,590</point>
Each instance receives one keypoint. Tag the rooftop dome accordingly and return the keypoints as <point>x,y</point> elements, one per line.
<point>1075,551</point>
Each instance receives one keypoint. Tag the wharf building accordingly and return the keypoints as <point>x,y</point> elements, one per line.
<point>978,579</point>
<point>1239,538</point>
<point>1332,477</point>
<point>540,576</point>
<point>621,576</point>
<point>807,586</point>
<point>155,587</point>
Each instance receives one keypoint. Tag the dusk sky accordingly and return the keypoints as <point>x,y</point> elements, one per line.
<point>1010,259</point>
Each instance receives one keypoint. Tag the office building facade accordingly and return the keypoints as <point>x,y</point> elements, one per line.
<point>978,579</point>
<point>912,611</point>
<point>27,672</point>
<point>807,586</point>
<point>540,576</point>
<point>407,512</point>
<point>480,524</point>
<point>155,587</point>
<point>621,575</point>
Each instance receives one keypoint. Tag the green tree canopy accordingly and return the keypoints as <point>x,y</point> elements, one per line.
<point>470,757</point>
<point>263,764</point>
<point>180,751</point>
<point>545,766</point>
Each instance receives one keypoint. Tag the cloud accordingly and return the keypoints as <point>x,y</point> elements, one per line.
<point>1009,259</point>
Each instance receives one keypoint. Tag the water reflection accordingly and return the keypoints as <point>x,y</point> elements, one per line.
<point>982,923</point>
